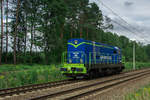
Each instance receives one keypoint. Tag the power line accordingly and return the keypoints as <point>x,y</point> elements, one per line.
<point>123,21</point>
<point>122,26</point>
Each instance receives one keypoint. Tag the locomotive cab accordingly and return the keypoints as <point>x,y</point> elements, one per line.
<point>74,59</point>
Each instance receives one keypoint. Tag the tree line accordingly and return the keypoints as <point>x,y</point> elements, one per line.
<point>36,31</point>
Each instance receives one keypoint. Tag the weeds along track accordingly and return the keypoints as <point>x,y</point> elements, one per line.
<point>34,87</point>
<point>93,86</point>
<point>61,88</point>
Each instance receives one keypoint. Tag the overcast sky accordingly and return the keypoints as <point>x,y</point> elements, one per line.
<point>135,12</point>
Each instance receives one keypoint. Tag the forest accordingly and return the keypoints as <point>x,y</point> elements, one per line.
<point>36,31</point>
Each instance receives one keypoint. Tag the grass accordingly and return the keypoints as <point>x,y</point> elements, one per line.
<point>141,94</point>
<point>11,67</point>
<point>19,75</point>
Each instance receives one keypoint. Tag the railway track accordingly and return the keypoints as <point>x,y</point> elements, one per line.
<point>22,90</point>
<point>27,88</point>
<point>105,87</point>
<point>80,91</point>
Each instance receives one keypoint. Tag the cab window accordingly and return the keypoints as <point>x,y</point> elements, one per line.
<point>115,51</point>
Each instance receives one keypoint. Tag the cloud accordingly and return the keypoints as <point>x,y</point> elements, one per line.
<point>134,12</point>
<point>132,31</point>
<point>127,3</point>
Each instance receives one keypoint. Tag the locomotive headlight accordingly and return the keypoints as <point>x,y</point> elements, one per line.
<point>81,60</point>
<point>70,61</point>
<point>76,42</point>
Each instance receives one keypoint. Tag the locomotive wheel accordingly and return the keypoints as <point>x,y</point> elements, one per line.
<point>91,74</point>
<point>117,71</point>
<point>74,77</point>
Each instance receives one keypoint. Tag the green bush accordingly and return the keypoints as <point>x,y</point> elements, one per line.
<point>138,65</point>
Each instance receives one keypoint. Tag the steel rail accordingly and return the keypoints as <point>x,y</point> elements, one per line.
<point>87,86</point>
<point>17,90</point>
<point>34,87</point>
<point>103,88</point>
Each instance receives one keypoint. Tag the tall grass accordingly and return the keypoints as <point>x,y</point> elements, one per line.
<point>26,76</point>
<point>138,65</point>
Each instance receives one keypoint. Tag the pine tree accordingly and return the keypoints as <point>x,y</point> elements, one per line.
<point>1,49</point>
<point>16,26</point>
<point>6,33</point>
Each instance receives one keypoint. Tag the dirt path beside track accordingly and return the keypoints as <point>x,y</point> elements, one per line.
<point>119,92</point>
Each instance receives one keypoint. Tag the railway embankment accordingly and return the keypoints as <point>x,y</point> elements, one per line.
<point>84,89</point>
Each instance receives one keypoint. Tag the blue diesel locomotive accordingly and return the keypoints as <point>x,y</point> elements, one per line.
<point>90,59</point>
